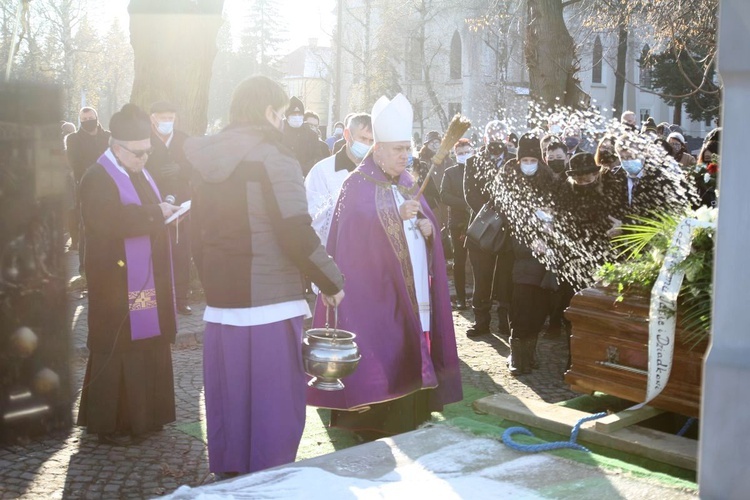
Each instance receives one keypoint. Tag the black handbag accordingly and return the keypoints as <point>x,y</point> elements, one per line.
<point>488,230</point>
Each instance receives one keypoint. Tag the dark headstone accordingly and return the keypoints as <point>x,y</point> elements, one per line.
<point>35,384</point>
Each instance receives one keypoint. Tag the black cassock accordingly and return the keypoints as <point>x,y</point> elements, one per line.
<point>129,385</point>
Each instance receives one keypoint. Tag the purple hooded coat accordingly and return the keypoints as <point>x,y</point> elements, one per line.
<point>367,242</point>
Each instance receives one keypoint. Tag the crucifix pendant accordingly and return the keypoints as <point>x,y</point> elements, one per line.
<point>414,228</point>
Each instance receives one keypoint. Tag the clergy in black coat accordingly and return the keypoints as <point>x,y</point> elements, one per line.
<point>128,388</point>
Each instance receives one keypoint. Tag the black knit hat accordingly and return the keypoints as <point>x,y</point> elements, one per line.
<point>528,147</point>
<point>582,163</point>
<point>130,124</point>
<point>163,107</point>
<point>295,106</point>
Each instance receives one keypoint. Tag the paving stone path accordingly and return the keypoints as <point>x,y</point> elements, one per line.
<point>75,465</point>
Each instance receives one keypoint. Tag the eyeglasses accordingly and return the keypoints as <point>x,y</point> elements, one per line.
<point>139,153</point>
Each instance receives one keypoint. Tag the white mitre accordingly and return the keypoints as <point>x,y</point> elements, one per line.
<point>392,120</point>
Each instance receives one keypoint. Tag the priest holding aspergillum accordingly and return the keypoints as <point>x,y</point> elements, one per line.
<point>385,243</point>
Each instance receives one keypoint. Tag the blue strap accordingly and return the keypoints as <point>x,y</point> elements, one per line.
<point>687,425</point>
<point>557,445</point>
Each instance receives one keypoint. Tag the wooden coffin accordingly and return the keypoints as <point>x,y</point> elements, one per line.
<point>609,352</point>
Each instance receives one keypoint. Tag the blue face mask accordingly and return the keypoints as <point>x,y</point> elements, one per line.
<point>632,167</point>
<point>359,150</point>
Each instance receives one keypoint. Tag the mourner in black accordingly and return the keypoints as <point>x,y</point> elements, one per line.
<point>452,194</point>
<point>527,177</point>
<point>172,172</point>
<point>83,149</point>
<point>489,269</point>
<point>304,142</point>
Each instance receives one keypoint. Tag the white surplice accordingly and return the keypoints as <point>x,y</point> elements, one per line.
<point>418,254</point>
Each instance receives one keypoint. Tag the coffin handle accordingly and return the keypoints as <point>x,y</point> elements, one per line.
<point>613,361</point>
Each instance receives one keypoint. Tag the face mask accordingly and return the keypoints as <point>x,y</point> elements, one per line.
<point>165,128</point>
<point>571,142</point>
<point>632,167</point>
<point>338,132</point>
<point>462,158</point>
<point>529,168</point>
<point>295,121</point>
<point>557,166</point>
<point>555,129</point>
<point>89,125</point>
<point>359,150</point>
<point>495,148</point>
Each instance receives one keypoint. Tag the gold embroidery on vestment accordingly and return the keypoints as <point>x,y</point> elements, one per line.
<point>145,299</point>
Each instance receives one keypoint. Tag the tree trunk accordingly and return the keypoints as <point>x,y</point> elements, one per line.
<point>174,45</point>
<point>550,55</point>
<point>622,54</point>
<point>677,116</point>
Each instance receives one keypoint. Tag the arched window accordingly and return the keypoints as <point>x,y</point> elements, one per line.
<point>596,68</point>
<point>456,56</point>
<point>645,79</point>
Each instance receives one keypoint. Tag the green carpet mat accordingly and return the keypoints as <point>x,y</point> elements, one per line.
<point>318,439</point>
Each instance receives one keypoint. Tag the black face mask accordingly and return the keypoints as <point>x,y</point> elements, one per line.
<point>89,125</point>
<point>557,166</point>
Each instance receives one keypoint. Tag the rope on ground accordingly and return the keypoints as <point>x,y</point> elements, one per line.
<point>557,445</point>
<point>687,425</point>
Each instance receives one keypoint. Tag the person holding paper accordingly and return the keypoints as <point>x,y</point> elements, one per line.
<point>128,389</point>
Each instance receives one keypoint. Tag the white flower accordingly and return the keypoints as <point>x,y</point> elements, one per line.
<point>706,214</point>
<point>706,177</point>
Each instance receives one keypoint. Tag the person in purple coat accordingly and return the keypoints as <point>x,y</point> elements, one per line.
<point>384,241</point>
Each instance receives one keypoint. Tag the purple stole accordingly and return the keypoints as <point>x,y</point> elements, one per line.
<point>144,314</point>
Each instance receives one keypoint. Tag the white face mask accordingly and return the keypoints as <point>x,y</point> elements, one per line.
<point>295,121</point>
<point>165,128</point>
<point>359,150</point>
<point>529,168</point>
<point>555,129</point>
<point>338,132</point>
<point>462,158</point>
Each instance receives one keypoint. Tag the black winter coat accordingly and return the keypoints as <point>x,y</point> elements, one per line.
<point>306,146</point>
<point>108,222</point>
<point>452,194</point>
<point>83,149</point>
<point>161,160</point>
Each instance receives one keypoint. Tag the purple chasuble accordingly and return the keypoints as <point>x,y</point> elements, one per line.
<point>368,243</point>
<point>144,315</point>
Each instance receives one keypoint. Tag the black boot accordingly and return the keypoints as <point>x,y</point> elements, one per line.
<point>478,329</point>
<point>481,324</point>
<point>518,361</point>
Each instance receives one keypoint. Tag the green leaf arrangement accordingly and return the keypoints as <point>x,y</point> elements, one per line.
<point>642,247</point>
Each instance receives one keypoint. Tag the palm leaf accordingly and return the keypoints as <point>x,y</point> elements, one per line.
<point>636,237</point>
